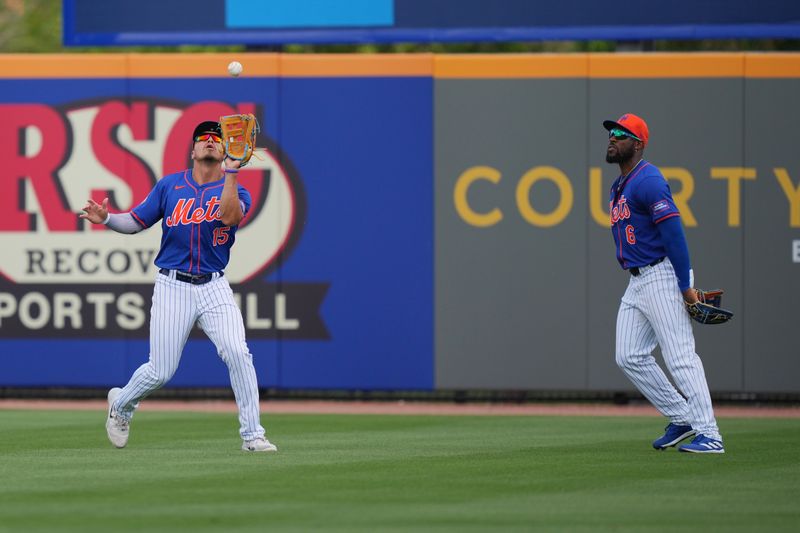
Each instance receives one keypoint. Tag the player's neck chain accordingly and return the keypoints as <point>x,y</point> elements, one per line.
<point>623,180</point>
<point>625,177</point>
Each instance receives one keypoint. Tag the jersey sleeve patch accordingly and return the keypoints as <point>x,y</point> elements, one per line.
<point>659,206</point>
<point>662,210</point>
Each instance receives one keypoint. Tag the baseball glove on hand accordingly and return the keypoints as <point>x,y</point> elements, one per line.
<point>706,310</point>
<point>239,136</point>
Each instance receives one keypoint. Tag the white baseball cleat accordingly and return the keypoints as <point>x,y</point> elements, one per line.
<point>117,427</point>
<point>259,445</point>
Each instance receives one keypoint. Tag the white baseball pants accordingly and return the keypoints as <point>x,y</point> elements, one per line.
<point>177,306</point>
<point>652,312</point>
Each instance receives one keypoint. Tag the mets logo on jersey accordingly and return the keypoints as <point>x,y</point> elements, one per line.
<point>185,213</point>
<point>71,277</point>
<point>621,211</point>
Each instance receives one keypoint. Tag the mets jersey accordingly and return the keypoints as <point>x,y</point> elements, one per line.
<point>193,238</point>
<point>638,202</point>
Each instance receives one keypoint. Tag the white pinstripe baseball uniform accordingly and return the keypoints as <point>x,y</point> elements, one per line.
<point>190,287</point>
<point>651,245</point>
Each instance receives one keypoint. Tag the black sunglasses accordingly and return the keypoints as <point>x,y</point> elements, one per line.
<point>619,134</point>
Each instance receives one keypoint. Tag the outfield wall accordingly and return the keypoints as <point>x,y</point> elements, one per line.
<point>420,222</point>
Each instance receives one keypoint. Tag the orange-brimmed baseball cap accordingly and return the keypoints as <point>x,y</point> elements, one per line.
<point>631,123</point>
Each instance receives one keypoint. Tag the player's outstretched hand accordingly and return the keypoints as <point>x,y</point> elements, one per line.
<point>94,212</point>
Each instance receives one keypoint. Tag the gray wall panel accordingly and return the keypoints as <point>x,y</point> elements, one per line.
<point>519,306</point>
<point>772,280</point>
<point>506,313</point>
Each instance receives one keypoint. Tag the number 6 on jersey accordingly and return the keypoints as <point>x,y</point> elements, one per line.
<point>629,236</point>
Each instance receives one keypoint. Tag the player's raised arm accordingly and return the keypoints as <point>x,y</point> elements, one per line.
<point>230,209</point>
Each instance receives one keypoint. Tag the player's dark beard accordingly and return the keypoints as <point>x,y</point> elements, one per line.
<point>622,154</point>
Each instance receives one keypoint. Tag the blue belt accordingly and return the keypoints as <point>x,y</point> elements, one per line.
<point>635,270</point>
<point>194,279</point>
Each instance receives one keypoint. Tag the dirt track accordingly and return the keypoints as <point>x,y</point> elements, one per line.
<point>404,408</point>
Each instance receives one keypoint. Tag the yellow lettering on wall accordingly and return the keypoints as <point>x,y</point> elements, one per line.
<point>597,198</point>
<point>734,175</point>
<point>792,194</point>
<point>463,183</point>
<point>682,197</point>
<point>523,196</point>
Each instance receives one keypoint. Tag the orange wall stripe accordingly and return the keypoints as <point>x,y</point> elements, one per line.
<point>653,65</point>
<point>63,66</point>
<point>200,65</point>
<point>512,66</point>
<point>133,65</point>
<point>441,66</point>
<point>355,65</point>
<point>772,65</point>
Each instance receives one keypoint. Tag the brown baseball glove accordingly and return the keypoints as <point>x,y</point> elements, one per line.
<point>707,309</point>
<point>239,136</point>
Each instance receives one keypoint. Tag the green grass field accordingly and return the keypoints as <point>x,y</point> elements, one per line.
<point>184,472</point>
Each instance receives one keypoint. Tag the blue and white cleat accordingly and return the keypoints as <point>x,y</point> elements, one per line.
<point>703,444</point>
<point>673,434</point>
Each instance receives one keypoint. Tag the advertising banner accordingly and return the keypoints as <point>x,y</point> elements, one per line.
<point>344,161</point>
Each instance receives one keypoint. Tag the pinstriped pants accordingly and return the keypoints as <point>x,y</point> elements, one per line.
<point>652,312</point>
<point>177,306</point>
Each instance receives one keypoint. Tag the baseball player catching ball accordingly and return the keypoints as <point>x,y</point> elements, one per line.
<point>651,245</point>
<point>200,209</point>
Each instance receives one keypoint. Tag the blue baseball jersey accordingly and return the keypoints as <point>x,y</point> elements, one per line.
<point>638,202</point>
<point>193,238</point>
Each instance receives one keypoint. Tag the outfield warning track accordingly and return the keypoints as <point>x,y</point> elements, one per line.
<point>403,408</point>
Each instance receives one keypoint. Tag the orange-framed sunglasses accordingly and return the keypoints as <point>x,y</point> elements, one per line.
<point>208,136</point>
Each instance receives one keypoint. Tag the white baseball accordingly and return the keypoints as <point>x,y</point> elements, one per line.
<point>234,68</point>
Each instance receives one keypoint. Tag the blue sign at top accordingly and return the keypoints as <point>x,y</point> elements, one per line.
<point>276,22</point>
<point>308,13</point>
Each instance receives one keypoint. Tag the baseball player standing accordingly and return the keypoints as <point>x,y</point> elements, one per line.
<point>200,209</point>
<point>651,245</point>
